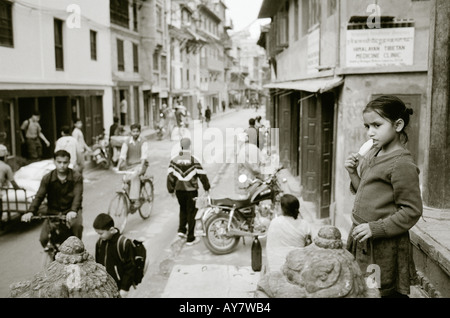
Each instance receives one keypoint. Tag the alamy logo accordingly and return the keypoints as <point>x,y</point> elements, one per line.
<point>373,20</point>
<point>74,19</point>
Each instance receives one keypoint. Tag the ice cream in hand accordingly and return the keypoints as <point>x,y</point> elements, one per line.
<point>365,148</point>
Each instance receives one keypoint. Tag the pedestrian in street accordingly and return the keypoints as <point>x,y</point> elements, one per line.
<point>200,111</point>
<point>252,132</point>
<point>120,267</point>
<point>114,128</point>
<point>260,132</point>
<point>223,106</point>
<point>123,111</point>
<point>388,199</point>
<point>182,181</point>
<point>6,172</point>
<point>134,157</point>
<point>77,133</point>
<point>207,116</point>
<point>32,134</point>
<point>68,143</point>
<point>250,163</point>
<point>286,232</point>
<point>63,190</point>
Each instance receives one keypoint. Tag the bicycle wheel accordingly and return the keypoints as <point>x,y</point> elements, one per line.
<point>118,210</point>
<point>146,197</point>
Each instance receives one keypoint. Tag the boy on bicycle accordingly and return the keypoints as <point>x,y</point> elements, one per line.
<point>133,157</point>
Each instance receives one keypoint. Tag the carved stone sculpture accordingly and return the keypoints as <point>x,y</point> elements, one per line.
<point>323,269</point>
<point>73,274</point>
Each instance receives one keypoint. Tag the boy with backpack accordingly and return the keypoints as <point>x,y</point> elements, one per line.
<point>123,258</point>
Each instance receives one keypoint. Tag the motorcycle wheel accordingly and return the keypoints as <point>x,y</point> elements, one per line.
<point>105,164</point>
<point>217,240</point>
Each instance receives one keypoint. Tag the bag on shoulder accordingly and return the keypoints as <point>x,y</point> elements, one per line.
<point>139,257</point>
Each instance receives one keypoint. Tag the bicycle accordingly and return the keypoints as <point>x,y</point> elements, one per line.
<point>59,231</point>
<point>120,205</point>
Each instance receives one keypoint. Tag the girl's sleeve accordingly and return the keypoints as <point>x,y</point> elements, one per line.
<point>408,199</point>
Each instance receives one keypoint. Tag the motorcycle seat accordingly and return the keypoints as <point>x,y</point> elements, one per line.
<point>231,202</point>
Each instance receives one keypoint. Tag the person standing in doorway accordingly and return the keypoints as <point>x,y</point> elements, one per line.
<point>123,111</point>
<point>32,133</point>
<point>223,105</point>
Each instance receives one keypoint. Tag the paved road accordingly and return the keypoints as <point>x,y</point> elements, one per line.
<point>21,252</point>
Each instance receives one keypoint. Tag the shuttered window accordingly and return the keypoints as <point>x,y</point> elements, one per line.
<point>6,29</point>
<point>59,52</point>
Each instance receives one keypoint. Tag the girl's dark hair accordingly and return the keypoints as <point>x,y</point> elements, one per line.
<point>391,108</point>
<point>290,205</point>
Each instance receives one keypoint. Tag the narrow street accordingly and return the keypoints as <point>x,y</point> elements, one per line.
<point>22,253</point>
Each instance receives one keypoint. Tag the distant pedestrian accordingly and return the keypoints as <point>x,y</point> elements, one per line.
<point>388,199</point>
<point>6,172</point>
<point>114,128</point>
<point>77,133</point>
<point>286,232</point>
<point>252,132</point>
<point>207,116</point>
<point>120,267</point>
<point>223,105</point>
<point>182,182</point>
<point>260,132</point>
<point>32,133</point>
<point>200,110</point>
<point>68,143</point>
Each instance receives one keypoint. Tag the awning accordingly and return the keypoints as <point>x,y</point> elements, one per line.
<point>315,85</point>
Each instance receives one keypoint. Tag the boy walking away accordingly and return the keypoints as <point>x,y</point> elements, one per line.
<point>120,267</point>
<point>182,181</point>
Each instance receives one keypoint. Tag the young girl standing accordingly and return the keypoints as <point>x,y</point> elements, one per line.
<point>388,200</point>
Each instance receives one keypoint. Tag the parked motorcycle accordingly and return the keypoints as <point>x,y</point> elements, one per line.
<point>100,153</point>
<point>222,222</point>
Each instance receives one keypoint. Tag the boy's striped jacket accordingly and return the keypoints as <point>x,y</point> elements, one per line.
<point>184,172</point>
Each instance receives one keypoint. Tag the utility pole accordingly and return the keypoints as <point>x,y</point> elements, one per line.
<point>437,173</point>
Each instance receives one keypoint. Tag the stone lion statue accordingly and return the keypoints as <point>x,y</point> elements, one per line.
<point>323,269</point>
<point>73,274</point>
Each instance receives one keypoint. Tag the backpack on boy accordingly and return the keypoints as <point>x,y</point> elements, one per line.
<point>139,257</point>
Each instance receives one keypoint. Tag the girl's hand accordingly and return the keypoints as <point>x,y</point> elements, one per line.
<point>362,232</point>
<point>351,163</point>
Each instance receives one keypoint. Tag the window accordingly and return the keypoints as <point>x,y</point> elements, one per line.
<point>120,57</point>
<point>163,65</point>
<point>135,58</point>
<point>135,16</point>
<point>93,35</point>
<point>314,13</point>
<point>59,53</point>
<point>155,61</point>
<point>283,26</point>
<point>119,12</point>
<point>331,7</point>
<point>296,20</point>
<point>159,17</point>
<point>6,30</point>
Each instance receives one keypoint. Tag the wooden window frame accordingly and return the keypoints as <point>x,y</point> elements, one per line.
<point>6,24</point>
<point>120,56</point>
<point>135,58</point>
<point>59,44</point>
<point>93,42</point>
